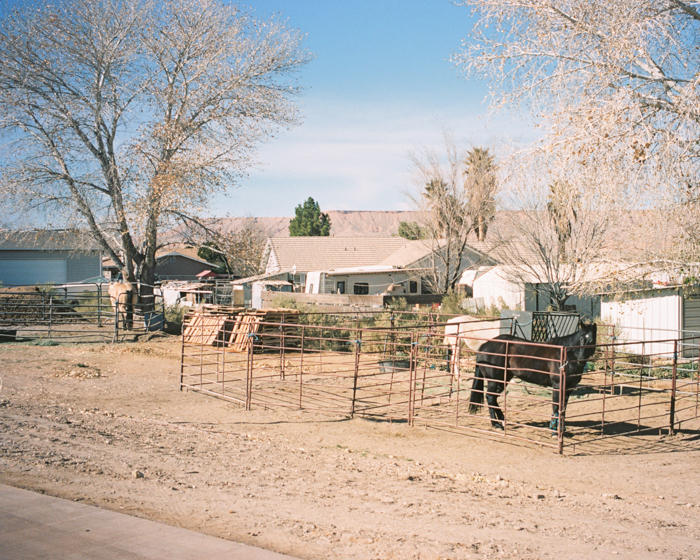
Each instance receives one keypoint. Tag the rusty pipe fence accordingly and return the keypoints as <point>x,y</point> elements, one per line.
<point>406,375</point>
<point>73,313</point>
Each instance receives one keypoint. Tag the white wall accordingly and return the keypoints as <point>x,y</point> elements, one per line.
<point>494,286</point>
<point>645,319</point>
<point>377,282</point>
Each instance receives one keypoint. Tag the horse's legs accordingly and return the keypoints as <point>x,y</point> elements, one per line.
<point>493,389</point>
<point>129,310</point>
<point>557,415</point>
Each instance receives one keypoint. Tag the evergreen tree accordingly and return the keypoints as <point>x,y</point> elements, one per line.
<point>211,252</point>
<point>309,220</point>
<point>412,231</point>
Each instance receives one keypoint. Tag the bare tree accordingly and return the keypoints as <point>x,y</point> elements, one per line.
<point>125,117</point>
<point>444,212</point>
<point>243,248</point>
<point>554,236</point>
<point>615,85</point>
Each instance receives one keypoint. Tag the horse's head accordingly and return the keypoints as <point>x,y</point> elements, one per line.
<point>586,341</point>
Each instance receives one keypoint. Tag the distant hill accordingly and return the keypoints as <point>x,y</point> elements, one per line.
<point>343,223</point>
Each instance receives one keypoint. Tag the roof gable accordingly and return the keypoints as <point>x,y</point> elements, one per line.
<point>327,253</point>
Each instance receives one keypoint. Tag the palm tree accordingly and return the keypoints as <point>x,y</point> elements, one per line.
<point>562,206</point>
<point>481,186</point>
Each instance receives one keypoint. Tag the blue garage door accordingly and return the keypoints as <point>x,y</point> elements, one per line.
<point>29,272</point>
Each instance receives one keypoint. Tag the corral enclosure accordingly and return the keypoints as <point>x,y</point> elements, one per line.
<point>73,313</point>
<point>394,367</point>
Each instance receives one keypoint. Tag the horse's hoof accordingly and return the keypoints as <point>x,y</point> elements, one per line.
<point>498,426</point>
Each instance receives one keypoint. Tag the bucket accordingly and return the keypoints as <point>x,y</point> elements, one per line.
<point>394,366</point>
<point>7,335</point>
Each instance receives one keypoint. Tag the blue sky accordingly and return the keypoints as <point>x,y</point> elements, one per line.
<point>380,85</point>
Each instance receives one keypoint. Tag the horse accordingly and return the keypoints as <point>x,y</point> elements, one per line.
<point>474,331</point>
<point>123,297</point>
<point>536,364</point>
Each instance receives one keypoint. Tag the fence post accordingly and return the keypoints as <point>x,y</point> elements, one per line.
<point>50,313</point>
<point>301,362</point>
<point>562,401</point>
<point>412,379</point>
<point>99,304</point>
<point>358,342</point>
<point>672,414</point>
<point>458,370</point>
<point>505,388</point>
<point>282,348</point>
<point>182,353</point>
<point>249,369</point>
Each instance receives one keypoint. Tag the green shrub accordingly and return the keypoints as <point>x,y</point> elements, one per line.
<point>174,313</point>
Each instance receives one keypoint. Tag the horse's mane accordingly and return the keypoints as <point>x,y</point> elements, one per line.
<point>573,339</point>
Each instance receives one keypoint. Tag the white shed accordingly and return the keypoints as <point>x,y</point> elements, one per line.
<point>495,286</point>
<point>653,315</point>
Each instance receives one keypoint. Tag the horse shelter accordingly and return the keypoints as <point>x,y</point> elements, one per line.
<point>80,312</point>
<point>396,367</point>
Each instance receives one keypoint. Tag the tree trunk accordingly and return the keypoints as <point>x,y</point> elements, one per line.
<point>147,281</point>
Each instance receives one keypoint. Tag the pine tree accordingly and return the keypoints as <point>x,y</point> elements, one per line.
<point>309,220</point>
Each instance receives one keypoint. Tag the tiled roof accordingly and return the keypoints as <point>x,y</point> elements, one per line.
<point>47,240</point>
<point>410,253</point>
<point>327,253</point>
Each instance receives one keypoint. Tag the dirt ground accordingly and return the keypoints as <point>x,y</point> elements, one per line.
<point>108,426</point>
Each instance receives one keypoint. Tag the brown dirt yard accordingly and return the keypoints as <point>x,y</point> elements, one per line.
<point>107,425</point>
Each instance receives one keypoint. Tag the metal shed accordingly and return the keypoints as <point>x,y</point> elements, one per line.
<point>654,314</point>
<point>47,257</point>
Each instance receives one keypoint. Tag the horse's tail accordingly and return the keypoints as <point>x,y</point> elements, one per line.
<point>477,395</point>
<point>128,309</point>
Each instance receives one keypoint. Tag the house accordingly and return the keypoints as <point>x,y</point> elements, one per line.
<point>360,266</point>
<point>48,257</point>
<point>181,263</point>
<point>368,280</point>
<point>301,255</point>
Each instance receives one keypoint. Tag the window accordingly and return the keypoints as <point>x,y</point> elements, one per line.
<point>361,289</point>
<point>413,287</point>
<point>340,287</point>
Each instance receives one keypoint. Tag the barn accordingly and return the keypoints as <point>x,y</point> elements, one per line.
<point>47,257</point>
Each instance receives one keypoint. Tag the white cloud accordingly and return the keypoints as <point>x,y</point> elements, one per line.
<point>353,157</point>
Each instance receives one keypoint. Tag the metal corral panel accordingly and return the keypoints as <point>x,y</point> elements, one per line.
<point>653,318</point>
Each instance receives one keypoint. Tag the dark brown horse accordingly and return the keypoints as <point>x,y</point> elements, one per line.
<point>124,297</point>
<point>533,363</point>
